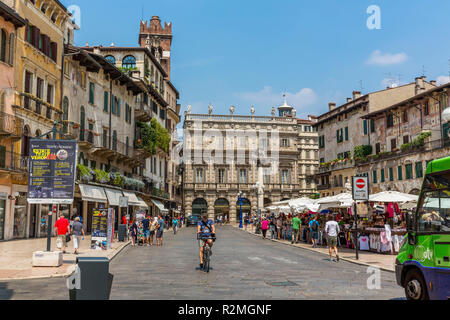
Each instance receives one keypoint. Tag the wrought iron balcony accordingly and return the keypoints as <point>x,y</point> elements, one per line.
<point>11,161</point>
<point>10,125</point>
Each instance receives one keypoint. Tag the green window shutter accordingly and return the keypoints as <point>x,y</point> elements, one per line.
<point>91,92</point>
<point>365,127</point>
<point>391,174</point>
<point>400,173</point>
<point>382,178</point>
<point>419,170</point>
<point>118,108</point>
<point>375,180</point>
<point>113,105</point>
<point>337,136</point>
<point>346,133</point>
<point>372,125</point>
<point>106,103</point>
<point>408,170</point>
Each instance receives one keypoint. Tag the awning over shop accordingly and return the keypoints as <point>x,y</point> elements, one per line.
<point>93,193</point>
<point>132,199</point>
<point>142,203</point>
<point>113,196</point>
<point>160,206</point>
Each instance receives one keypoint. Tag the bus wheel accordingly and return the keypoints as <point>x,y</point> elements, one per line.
<point>415,286</point>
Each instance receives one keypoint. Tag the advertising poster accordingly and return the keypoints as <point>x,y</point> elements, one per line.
<point>51,171</point>
<point>110,228</point>
<point>99,229</point>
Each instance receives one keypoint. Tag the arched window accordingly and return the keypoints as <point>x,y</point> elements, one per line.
<point>114,140</point>
<point>3,38</point>
<point>82,123</point>
<point>129,62</point>
<point>38,133</point>
<point>26,141</point>
<point>65,114</point>
<point>81,159</point>
<point>111,60</point>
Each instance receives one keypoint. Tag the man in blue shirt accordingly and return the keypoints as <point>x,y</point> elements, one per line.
<point>205,229</point>
<point>159,233</point>
<point>146,225</point>
<point>314,227</point>
<point>175,225</point>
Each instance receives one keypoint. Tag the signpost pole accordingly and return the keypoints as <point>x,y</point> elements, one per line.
<point>356,231</point>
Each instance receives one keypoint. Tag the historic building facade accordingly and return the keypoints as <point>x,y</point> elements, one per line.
<point>343,128</point>
<point>228,155</point>
<point>406,137</point>
<point>10,125</point>
<point>308,155</point>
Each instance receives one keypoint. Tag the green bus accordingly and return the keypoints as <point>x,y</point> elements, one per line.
<point>423,263</point>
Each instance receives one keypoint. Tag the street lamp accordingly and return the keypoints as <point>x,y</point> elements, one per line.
<point>446,115</point>
<point>241,197</point>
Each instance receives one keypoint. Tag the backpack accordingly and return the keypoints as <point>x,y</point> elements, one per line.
<point>315,226</point>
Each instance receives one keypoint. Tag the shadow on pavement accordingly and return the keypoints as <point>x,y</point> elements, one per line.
<point>5,293</point>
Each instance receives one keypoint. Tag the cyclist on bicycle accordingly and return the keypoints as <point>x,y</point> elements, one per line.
<point>206,230</point>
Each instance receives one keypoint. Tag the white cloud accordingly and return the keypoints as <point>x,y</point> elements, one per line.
<point>442,80</point>
<point>267,98</point>
<point>380,59</point>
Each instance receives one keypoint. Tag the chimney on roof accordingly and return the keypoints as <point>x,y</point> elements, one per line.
<point>349,100</point>
<point>331,106</point>
<point>356,95</point>
<point>420,85</point>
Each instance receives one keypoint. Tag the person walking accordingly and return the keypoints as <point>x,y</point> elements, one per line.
<point>134,232</point>
<point>146,231</point>
<point>295,229</point>
<point>77,231</point>
<point>314,227</point>
<point>279,227</point>
<point>332,230</point>
<point>62,226</point>
<point>175,225</point>
<point>153,227</point>
<point>160,232</point>
<point>264,227</point>
<point>273,227</point>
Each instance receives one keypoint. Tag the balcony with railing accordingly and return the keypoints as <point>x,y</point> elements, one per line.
<point>336,165</point>
<point>10,125</point>
<point>143,113</point>
<point>37,105</point>
<point>10,161</point>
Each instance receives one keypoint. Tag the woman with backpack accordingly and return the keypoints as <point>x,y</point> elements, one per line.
<point>314,227</point>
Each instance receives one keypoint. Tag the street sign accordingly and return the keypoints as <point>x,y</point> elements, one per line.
<point>360,188</point>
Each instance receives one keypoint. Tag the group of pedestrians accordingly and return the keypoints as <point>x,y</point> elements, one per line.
<point>144,231</point>
<point>67,230</point>
<point>276,226</point>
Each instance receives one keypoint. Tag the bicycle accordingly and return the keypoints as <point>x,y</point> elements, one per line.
<point>206,251</point>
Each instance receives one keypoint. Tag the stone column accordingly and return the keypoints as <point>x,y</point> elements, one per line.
<point>233,210</point>
<point>211,209</point>
<point>85,209</point>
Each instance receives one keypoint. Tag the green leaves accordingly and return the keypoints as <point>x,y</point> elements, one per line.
<point>154,135</point>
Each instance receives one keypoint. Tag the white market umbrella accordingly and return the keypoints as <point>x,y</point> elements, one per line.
<point>393,196</point>
<point>301,204</point>
<point>342,200</point>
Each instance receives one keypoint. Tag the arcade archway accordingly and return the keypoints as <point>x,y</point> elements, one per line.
<point>222,209</point>
<point>199,206</point>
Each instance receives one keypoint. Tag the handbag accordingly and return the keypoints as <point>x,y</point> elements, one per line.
<point>68,238</point>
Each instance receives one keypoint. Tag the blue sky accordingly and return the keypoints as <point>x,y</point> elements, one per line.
<point>246,53</point>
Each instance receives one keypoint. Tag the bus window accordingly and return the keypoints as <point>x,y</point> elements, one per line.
<point>434,212</point>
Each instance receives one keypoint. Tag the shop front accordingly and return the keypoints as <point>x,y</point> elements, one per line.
<point>113,196</point>
<point>93,197</point>
<point>159,208</point>
<point>3,199</point>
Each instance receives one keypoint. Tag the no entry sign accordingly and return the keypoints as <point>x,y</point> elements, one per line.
<point>360,188</point>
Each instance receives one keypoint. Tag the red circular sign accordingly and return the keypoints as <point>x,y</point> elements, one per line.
<point>360,183</point>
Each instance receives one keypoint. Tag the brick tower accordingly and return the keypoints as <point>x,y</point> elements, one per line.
<point>158,40</point>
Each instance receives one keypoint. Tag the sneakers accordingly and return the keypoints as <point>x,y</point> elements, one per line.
<point>201,265</point>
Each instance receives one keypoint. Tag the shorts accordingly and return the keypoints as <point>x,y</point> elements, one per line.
<point>146,233</point>
<point>76,242</point>
<point>63,239</point>
<point>159,234</point>
<point>332,241</point>
<point>315,235</point>
<point>152,233</point>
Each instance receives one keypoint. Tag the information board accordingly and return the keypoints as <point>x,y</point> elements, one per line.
<point>99,226</point>
<point>52,171</point>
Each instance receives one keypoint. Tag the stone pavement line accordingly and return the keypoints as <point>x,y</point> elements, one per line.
<point>16,257</point>
<point>343,255</point>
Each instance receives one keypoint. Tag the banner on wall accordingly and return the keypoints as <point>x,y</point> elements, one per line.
<point>52,171</point>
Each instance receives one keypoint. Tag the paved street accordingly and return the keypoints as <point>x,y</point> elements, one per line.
<point>244,267</point>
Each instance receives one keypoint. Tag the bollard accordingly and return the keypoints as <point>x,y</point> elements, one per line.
<point>91,279</point>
